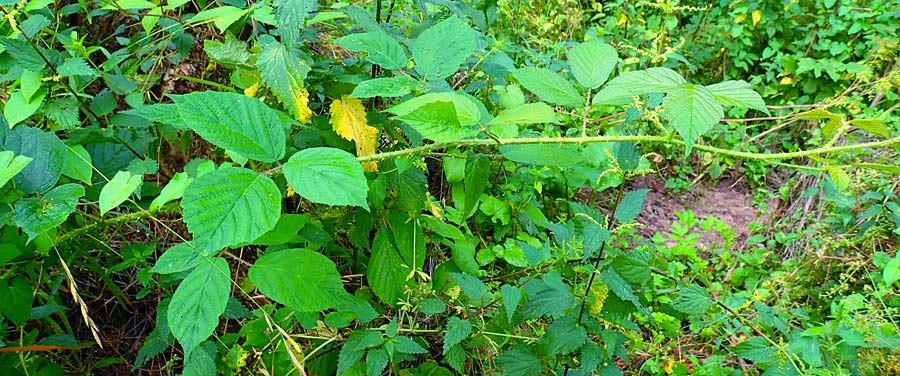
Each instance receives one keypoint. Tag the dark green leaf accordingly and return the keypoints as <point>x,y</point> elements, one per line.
<point>476,290</point>
<point>692,300</point>
<point>202,360</point>
<point>549,86</point>
<point>290,15</point>
<point>376,360</point>
<point>386,272</point>
<point>47,152</point>
<point>519,361</point>
<point>441,49</point>
<point>457,331</point>
<point>755,349</point>
<point>37,215</point>
<point>630,206</point>
<point>17,299</point>
<point>328,176</point>
<point>200,299</point>
<point>634,266</point>
<point>379,47</point>
<point>512,295</point>
<point>303,280</point>
<point>564,336</point>
<point>559,155</point>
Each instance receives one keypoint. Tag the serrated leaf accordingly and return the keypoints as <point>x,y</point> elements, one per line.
<point>380,48</point>
<point>178,258</point>
<point>199,300</point>
<point>327,176</point>
<point>348,119</point>
<point>355,348</point>
<point>512,295</point>
<point>737,94</point>
<point>692,111</point>
<point>692,300</point>
<point>619,90</point>
<point>384,87</point>
<point>592,62</point>
<point>221,16</point>
<point>441,49</point>
<point>229,52</point>
<point>873,126</point>
<point>891,272</point>
<point>531,113</point>
<point>290,15</point>
<point>549,86</point>
<point>284,72</point>
<point>831,126</point>
<point>122,185</point>
<point>549,295</point>
<point>457,330</point>
<point>376,361</point>
<point>520,362</point>
<point>76,66</point>
<point>755,349</point>
<point>473,287</point>
<point>634,266</point>
<point>37,215</point>
<point>172,191</point>
<point>202,361</point>
<point>630,206</point>
<point>623,290</point>
<point>386,272</point>
<point>406,345</point>
<point>301,279</point>
<point>47,152</point>
<point>78,164</point>
<point>840,177</point>
<point>564,336</point>
<point>230,206</point>
<point>235,122</point>
<point>438,121</point>
<point>10,165</point>
<point>559,155</point>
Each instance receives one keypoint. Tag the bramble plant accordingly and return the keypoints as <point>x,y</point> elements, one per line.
<point>300,188</point>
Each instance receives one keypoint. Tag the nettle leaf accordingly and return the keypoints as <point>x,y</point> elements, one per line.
<point>634,266</point>
<point>37,215</point>
<point>549,86</point>
<point>442,117</point>
<point>631,205</point>
<point>122,185</point>
<point>531,113</point>
<point>619,90</point>
<point>301,279</point>
<point>10,165</point>
<point>840,177</point>
<point>737,94</point>
<point>386,272</point>
<point>380,48</point>
<point>559,155</point>
<point>692,300</point>
<point>47,152</point>
<point>564,336</point>
<point>692,111</point>
<point>202,361</point>
<point>199,300</point>
<point>348,119</point>
<point>290,15</point>
<point>441,49</point>
<point>592,62</point>
<point>222,16</point>
<point>755,349</point>
<point>327,176</point>
<point>512,295</point>
<point>230,206</point>
<point>457,330</point>
<point>624,291</point>
<point>384,87</point>
<point>235,122</point>
<point>284,72</point>
<point>376,361</point>
<point>519,361</point>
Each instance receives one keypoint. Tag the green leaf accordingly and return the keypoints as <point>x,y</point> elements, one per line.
<point>17,300</point>
<point>692,111</point>
<point>631,205</point>
<point>10,165</point>
<point>406,345</point>
<point>623,290</point>
<point>531,113</point>
<point>47,152</point>
<point>619,90</point>
<point>549,86</point>
<point>18,108</point>
<point>384,87</point>
<point>229,52</point>
<point>290,15</point>
<point>592,62</point>
<point>230,206</point>
<point>37,215</point>
<point>178,258</point>
<point>512,295</point>
<point>692,300</point>
<point>891,271</point>
<point>198,302</point>
<point>376,361</point>
<point>122,185</point>
<point>76,66</point>
<point>355,348</point>
<point>379,47</point>
<point>457,330</point>
<point>755,349</point>
<point>840,177</point>
<point>476,290</point>
<point>559,155</point>
<point>564,336</point>
<point>634,266</point>
<point>549,295</point>
<point>235,122</point>
<point>301,279</point>
<point>834,120</point>
<point>441,49</point>
<point>873,126</point>
<point>328,176</point>
<point>78,164</point>
<point>738,94</point>
<point>284,231</point>
<point>386,272</point>
<point>478,174</point>
<point>520,362</point>
<point>172,191</point>
<point>202,360</point>
<point>29,83</point>
<point>222,16</point>
<point>438,121</point>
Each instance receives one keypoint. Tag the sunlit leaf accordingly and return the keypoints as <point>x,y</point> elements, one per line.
<point>348,119</point>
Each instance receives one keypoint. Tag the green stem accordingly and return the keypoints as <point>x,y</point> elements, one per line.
<point>117,220</point>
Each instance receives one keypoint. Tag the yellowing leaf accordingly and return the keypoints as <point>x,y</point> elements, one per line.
<point>348,119</point>
<point>251,91</point>
<point>756,16</point>
<point>740,18</point>
<point>301,105</point>
<point>787,81</point>
<point>622,19</point>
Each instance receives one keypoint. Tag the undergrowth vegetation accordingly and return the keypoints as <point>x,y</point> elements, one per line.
<point>437,187</point>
